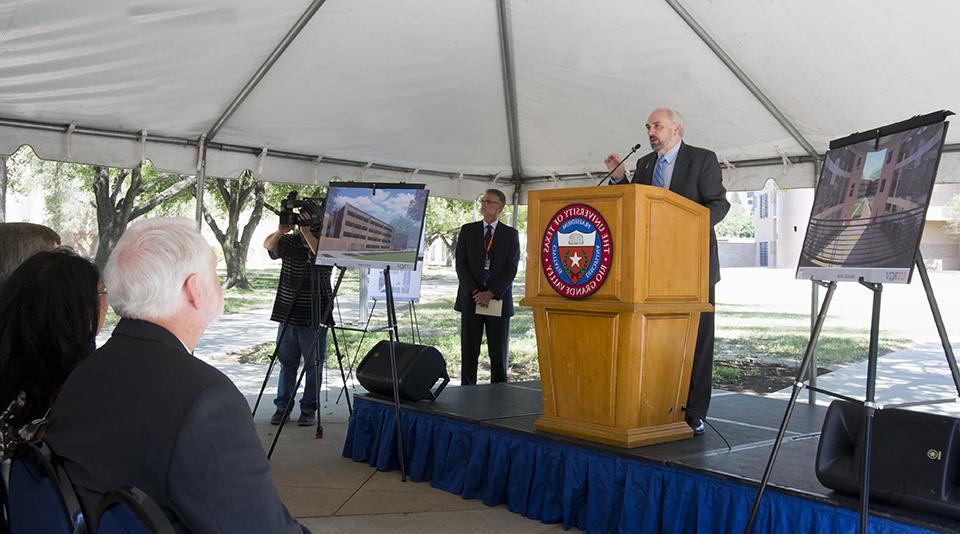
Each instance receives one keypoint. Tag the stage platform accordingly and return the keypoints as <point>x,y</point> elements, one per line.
<point>480,442</point>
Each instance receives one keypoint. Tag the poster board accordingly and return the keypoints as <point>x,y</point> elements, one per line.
<point>871,203</point>
<point>370,225</point>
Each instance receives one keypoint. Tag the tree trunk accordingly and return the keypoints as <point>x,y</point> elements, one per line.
<point>236,262</point>
<point>234,243</point>
<point>113,215</point>
<point>451,245</point>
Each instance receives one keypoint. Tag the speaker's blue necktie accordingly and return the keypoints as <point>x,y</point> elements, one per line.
<point>658,179</point>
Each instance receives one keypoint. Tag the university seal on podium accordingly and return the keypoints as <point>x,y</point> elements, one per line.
<point>576,251</point>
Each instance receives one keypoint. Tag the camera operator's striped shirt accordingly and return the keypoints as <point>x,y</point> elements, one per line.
<point>298,264</point>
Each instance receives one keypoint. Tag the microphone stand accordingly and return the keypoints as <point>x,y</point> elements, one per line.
<point>607,176</point>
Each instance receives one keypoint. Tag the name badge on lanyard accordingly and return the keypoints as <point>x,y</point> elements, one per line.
<point>486,256</point>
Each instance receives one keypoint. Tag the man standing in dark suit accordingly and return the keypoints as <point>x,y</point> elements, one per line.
<point>143,411</point>
<point>488,252</point>
<point>695,174</point>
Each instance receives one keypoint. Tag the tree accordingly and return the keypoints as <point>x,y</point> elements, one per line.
<point>444,218</point>
<point>122,195</point>
<point>119,197</point>
<point>234,196</point>
<point>953,215</point>
<point>737,223</point>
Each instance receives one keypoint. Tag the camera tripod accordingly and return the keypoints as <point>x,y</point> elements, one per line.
<point>325,313</point>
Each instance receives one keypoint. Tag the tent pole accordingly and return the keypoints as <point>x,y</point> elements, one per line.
<point>742,76</point>
<point>516,203</point>
<point>264,68</point>
<point>3,188</point>
<point>201,177</point>
<point>509,87</point>
<point>814,305</point>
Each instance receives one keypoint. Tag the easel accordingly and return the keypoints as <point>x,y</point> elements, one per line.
<point>869,403</point>
<point>392,327</point>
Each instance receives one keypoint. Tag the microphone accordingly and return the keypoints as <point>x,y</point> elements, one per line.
<point>607,176</point>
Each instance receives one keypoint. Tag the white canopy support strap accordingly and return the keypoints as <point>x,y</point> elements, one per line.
<point>260,158</point>
<point>70,129</point>
<point>363,173</point>
<point>785,159</point>
<point>460,183</point>
<point>316,170</point>
<point>143,147</point>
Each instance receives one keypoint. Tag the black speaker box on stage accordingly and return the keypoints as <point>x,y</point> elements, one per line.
<point>914,458</point>
<point>419,367</point>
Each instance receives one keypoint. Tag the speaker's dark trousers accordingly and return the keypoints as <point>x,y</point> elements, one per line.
<point>472,327</point>
<point>701,376</point>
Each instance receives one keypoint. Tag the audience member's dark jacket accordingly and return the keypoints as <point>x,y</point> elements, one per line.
<point>142,411</point>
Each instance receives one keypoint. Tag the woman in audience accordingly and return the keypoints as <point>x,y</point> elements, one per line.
<point>51,309</point>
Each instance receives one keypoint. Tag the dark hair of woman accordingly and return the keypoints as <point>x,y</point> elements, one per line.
<point>49,318</point>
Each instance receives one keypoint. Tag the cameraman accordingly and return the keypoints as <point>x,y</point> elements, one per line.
<point>297,251</point>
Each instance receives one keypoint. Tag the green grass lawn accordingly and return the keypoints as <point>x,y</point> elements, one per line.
<point>784,336</point>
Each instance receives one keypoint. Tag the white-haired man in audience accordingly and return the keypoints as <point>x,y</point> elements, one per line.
<point>142,411</point>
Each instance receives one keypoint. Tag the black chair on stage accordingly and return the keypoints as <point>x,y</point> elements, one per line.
<point>131,511</point>
<point>40,497</point>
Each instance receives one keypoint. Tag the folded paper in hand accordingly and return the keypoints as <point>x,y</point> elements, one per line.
<point>494,308</point>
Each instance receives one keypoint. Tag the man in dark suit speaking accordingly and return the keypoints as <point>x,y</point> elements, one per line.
<point>143,411</point>
<point>488,252</point>
<point>695,174</point>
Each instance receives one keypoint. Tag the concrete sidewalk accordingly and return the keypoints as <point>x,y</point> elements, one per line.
<point>920,373</point>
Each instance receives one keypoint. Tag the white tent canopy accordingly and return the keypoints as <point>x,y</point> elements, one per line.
<point>461,94</point>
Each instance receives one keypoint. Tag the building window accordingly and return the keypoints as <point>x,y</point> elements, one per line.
<point>764,206</point>
<point>764,254</point>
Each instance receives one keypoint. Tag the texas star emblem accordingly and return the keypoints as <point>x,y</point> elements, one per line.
<point>576,251</point>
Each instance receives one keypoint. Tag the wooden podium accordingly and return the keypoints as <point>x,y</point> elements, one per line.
<point>615,365</point>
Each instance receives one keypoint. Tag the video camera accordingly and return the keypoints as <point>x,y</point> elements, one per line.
<point>313,206</point>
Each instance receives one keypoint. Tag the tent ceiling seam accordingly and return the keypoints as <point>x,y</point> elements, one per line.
<point>509,86</point>
<point>264,68</point>
<point>728,61</point>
